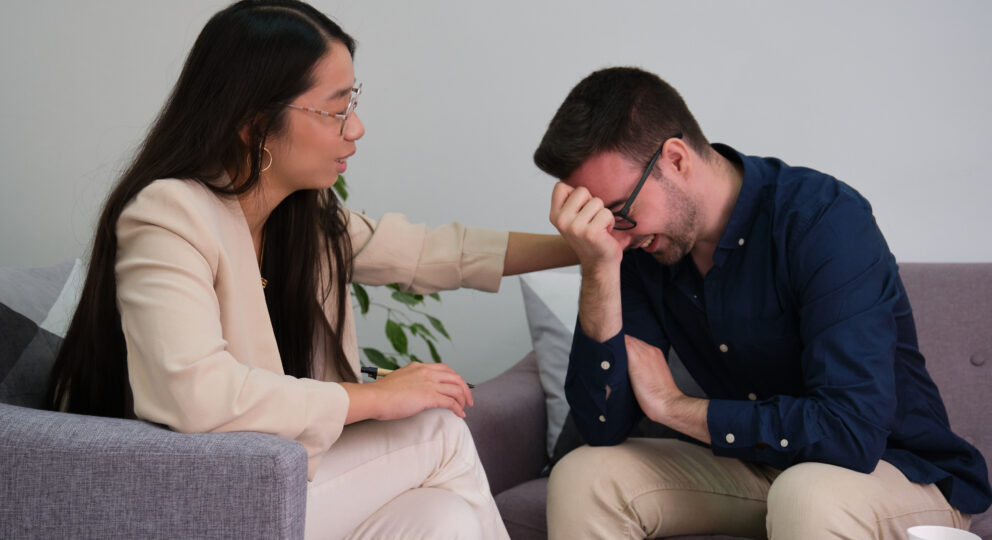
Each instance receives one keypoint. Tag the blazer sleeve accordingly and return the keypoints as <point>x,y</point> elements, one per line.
<point>181,368</point>
<point>422,260</point>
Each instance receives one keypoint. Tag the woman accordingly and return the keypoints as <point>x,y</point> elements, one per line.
<point>217,297</point>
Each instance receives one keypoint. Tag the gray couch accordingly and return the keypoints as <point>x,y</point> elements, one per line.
<point>71,476</point>
<point>952,304</point>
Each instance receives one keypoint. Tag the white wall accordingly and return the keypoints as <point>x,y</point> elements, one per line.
<point>890,96</point>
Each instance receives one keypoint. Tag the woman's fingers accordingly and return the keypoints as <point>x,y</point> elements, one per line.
<point>451,404</point>
<point>417,386</point>
<point>448,376</point>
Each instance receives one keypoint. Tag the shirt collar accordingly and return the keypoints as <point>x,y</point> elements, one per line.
<point>748,200</point>
<point>742,217</point>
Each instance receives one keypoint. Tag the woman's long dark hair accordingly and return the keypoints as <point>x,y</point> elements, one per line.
<point>249,58</point>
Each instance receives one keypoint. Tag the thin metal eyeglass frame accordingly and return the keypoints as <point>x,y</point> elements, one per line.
<point>352,105</point>
<point>622,220</point>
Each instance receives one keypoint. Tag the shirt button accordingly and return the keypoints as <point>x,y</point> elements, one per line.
<point>730,438</point>
<point>605,365</point>
<point>740,242</point>
<point>724,347</point>
<point>752,396</point>
<point>602,418</point>
<point>784,443</point>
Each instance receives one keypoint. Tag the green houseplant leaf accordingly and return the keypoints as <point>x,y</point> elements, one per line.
<point>396,335</point>
<point>409,299</point>
<point>376,357</point>
<point>400,318</point>
<point>438,326</point>
<point>360,294</point>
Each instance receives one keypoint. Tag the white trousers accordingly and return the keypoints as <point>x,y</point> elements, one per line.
<point>419,477</point>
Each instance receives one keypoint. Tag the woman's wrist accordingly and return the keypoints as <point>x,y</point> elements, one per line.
<point>363,402</point>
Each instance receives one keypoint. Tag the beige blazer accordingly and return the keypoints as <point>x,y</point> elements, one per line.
<point>201,353</point>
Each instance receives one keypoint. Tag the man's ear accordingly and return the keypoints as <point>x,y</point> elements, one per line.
<point>675,157</point>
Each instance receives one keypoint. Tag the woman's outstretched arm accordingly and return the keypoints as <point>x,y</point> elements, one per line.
<point>526,252</point>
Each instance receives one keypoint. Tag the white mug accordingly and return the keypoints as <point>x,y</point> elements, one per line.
<point>936,532</point>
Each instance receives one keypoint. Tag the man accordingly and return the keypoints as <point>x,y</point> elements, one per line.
<point>776,288</point>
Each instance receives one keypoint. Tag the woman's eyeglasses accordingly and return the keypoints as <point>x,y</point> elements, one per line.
<point>352,104</point>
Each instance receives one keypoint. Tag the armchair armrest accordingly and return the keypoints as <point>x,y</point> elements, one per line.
<point>509,424</point>
<point>72,476</point>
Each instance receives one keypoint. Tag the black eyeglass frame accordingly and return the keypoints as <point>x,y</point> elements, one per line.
<point>621,219</point>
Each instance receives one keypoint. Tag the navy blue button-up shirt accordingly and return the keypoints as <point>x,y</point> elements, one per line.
<point>801,335</point>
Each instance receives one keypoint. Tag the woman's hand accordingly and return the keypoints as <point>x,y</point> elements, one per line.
<point>408,391</point>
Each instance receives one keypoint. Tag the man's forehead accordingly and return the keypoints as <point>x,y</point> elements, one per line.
<point>606,175</point>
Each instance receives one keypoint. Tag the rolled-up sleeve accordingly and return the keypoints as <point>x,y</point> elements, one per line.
<point>421,260</point>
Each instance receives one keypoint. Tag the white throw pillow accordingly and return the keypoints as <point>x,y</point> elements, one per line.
<point>59,317</point>
<point>551,300</point>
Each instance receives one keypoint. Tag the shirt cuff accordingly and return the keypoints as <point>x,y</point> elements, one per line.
<point>737,430</point>
<point>327,410</point>
<point>483,257</point>
<point>599,364</point>
<point>730,424</point>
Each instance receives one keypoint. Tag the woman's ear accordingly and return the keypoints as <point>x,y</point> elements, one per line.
<point>245,133</point>
<point>254,127</point>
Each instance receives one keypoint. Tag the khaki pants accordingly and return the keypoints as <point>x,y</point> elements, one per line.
<point>647,488</point>
<point>419,477</point>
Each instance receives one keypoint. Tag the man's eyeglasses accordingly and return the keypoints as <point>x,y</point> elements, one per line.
<point>352,104</point>
<point>621,219</point>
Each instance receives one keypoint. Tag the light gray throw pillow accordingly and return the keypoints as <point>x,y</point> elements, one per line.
<point>551,300</point>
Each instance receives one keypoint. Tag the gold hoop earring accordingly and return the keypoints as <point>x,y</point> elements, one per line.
<point>266,167</point>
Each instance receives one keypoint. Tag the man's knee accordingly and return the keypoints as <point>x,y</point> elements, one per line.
<point>579,473</point>
<point>582,500</point>
<point>813,497</point>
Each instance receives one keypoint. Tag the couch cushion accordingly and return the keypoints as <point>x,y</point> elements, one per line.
<point>522,509</point>
<point>27,353</point>
<point>36,305</point>
<point>551,301</point>
<point>33,292</point>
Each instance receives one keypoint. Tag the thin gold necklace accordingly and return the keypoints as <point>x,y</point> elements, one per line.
<point>261,256</point>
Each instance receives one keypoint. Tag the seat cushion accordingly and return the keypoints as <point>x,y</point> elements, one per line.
<point>523,510</point>
<point>36,305</point>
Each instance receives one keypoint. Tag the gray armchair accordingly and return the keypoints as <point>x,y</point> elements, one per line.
<point>71,476</point>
